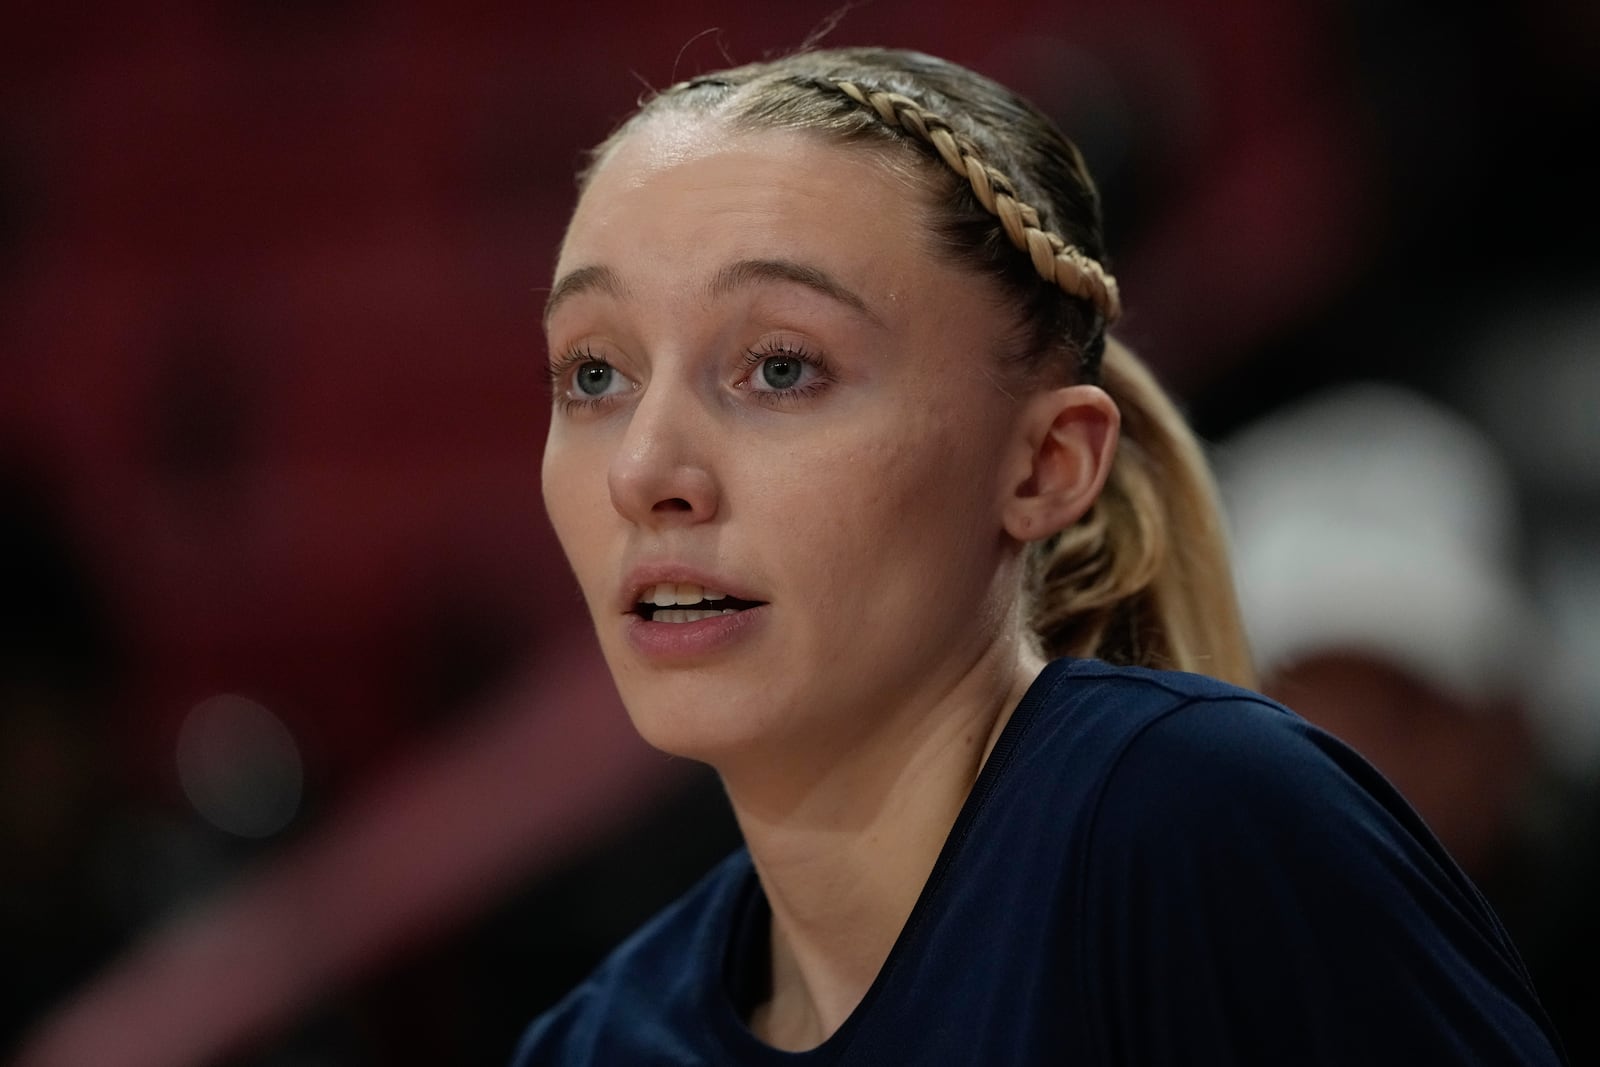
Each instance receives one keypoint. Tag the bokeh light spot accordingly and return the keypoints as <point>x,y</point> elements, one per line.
<point>239,766</point>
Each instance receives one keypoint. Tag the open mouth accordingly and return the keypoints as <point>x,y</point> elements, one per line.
<point>680,602</point>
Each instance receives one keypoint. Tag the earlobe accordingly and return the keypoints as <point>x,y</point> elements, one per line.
<point>1067,439</point>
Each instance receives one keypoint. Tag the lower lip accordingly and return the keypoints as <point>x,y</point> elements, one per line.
<point>692,640</point>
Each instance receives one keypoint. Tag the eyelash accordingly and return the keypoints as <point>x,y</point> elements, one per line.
<point>754,357</point>
<point>559,373</point>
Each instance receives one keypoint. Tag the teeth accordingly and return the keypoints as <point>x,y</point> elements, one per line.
<point>690,615</point>
<point>669,594</point>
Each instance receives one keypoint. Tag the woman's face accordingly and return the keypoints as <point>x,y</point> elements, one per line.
<point>772,391</point>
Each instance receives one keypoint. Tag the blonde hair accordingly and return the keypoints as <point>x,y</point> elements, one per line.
<point>1143,578</point>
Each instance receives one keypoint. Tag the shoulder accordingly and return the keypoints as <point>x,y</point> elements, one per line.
<point>1166,740</point>
<point>1131,764</point>
<point>1250,883</point>
<point>1091,701</point>
<point>1149,739</point>
<point>1214,747</point>
<point>1211,774</point>
<point>1211,785</point>
<point>647,993</point>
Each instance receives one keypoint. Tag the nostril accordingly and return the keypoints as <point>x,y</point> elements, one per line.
<point>676,503</point>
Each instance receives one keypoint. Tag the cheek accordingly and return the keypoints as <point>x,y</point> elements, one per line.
<point>553,486</point>
<point>938,459</point>
<point>907,494</point>
<point>575,494</point>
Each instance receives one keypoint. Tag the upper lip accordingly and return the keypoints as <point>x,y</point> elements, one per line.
<point>645,575</point>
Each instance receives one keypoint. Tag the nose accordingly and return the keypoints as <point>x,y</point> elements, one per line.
<point>662,473</point>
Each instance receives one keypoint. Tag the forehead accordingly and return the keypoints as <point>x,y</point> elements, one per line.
<point>681,188</point>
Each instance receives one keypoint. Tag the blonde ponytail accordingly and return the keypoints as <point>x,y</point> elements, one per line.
<point>1144,578</point>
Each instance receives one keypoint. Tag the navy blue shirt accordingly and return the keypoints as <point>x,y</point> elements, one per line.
<point>1152,868</point>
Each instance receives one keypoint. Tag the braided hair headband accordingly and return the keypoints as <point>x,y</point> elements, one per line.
<point>1056,261</point>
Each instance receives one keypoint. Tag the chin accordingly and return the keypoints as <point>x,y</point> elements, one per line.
<point>704,722</point>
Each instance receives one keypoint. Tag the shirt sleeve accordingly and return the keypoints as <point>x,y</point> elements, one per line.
<point>1255,893</point>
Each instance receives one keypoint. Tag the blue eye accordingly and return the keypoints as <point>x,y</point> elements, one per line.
<point>779,370</point>
<point>782,372</point>
<point>580,381</point>
<point>595,378</point>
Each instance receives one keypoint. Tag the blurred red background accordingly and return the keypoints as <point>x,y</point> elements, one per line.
<point>271,407</point>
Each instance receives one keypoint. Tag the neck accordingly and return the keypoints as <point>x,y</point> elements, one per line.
<point>844,842</point>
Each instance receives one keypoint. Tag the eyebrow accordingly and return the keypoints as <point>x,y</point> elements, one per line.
<point>755,271</point>
<point>584,280</point>
<point>734,276</point>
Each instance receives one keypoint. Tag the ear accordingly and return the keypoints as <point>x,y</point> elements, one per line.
<point>1066,440</point>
